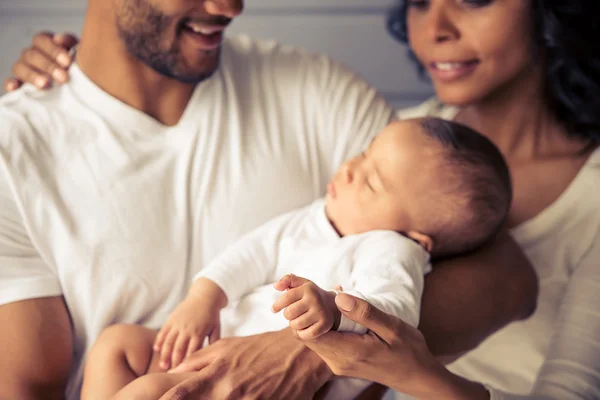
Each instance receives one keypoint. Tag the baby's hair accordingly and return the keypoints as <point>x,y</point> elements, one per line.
<point>476,184</point>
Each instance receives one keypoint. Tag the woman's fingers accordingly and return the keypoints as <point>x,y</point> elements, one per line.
<point>11,84</point>
<point>26,73</point>
<point>46,60</point>
<point>358,310</point>
<point>38,60</point>
<point>67,41</point>
<point>55,47</point>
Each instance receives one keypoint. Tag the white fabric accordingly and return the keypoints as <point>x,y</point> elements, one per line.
<point>382,267</point>
<point>555,354</point>
<point>116,212</point>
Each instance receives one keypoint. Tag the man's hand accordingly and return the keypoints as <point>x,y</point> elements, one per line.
<point>310,309</point>
<point>271,365</point>
<point>46,60</point>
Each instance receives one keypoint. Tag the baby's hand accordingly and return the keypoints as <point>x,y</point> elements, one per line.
<point>185,330</point>
<point>310,309</point>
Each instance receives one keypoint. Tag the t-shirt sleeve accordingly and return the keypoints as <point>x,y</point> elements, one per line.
<point>389,272</point>
<point>251,261</point>
<point>349,111</point>
<point>23,273</point>
<point>572,367</point>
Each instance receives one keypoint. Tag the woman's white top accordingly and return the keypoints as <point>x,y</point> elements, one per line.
<point>555,354</point>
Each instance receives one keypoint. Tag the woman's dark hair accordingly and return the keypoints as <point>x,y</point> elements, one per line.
<point>567,34</point>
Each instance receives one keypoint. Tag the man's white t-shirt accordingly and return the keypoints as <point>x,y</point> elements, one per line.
<point>554,354</point>
<point>382,267</point>
<point>103,205</point>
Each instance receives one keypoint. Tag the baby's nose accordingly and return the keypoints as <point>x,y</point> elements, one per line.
<point>348,173</point>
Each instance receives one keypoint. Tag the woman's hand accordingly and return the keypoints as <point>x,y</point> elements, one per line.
<point>46,60</point>
<point>392,353</point>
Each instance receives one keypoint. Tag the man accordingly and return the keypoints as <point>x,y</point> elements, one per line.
<point>165,146</point>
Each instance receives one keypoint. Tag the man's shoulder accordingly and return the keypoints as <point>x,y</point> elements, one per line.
<point>280,62</point>
<point>32,122</point>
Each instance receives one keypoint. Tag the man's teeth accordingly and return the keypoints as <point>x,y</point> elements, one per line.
<point>201,29</point>
<point>446,66</point>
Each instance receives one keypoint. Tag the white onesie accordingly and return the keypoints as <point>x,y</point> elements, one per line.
<point>382,267</point>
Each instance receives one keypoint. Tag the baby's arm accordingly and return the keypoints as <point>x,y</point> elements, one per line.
<point>389,272</point>
<point>248,263</point>
<point>252,260</point>
<point>195,318</point>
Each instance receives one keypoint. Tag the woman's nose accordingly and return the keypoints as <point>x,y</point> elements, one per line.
<point>440,23</point>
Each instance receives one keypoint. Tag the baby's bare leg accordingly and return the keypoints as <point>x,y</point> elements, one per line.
<point>151,386</point>
<point>121,354</point>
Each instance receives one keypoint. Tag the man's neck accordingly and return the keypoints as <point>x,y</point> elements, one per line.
<point>103,57</point>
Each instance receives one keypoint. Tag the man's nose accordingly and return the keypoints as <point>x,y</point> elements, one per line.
<point>225,8</point>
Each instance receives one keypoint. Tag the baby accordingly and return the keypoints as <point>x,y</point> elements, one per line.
<point>425,188</point>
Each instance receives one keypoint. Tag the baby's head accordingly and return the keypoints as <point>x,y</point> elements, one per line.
<point>438,182</point>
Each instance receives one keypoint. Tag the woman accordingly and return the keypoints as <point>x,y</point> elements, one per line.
<point>525,73</point>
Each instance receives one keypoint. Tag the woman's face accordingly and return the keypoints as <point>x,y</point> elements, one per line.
<point>472,49</point>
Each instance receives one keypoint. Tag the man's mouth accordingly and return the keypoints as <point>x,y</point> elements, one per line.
<point>206,35</point>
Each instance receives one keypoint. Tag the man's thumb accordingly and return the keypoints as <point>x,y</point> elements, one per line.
<point>369,316</point>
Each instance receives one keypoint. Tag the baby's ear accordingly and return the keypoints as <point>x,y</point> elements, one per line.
<point>425,241</point>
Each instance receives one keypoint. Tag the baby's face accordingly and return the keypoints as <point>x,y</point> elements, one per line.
<point>381,187</point>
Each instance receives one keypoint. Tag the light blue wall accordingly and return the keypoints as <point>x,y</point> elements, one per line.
<point>351,31</point>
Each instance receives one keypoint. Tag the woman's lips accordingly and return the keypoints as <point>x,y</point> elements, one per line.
<point>447,71</point>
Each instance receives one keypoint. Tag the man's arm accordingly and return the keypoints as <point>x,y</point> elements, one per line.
<point>468,298</point>
<point>36,349</point>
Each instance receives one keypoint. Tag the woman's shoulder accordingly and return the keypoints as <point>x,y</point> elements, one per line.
<point>429,108</point>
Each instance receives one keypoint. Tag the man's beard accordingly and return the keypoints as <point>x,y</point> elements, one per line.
<point>141,27</point>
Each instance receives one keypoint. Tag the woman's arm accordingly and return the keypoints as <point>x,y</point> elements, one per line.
<point>466,299</point>
<point>572,367</point>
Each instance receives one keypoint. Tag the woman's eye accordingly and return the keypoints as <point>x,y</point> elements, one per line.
<point>419,4</point>
<point>477,3</point>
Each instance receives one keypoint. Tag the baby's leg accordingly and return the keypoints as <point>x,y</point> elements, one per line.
<point>121,354</point>
<point>152,386</point>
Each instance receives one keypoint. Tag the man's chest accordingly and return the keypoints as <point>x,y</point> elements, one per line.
<point>172,207</point>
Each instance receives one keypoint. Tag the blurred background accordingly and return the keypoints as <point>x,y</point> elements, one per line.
<point>350,31</point>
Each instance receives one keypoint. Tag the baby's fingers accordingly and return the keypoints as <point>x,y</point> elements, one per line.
<point>215,334</point>
<point>194,345</point>
<point>160,338</point>
<point>179,349</point>
<point>289,297</point>
<point>167,349</point>
<point>283,283</point>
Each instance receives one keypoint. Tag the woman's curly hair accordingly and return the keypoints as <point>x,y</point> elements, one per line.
<point>568,36</point>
